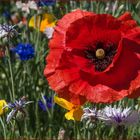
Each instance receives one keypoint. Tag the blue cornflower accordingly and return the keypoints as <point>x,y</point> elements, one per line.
<point>25,51</point>
<point>119,116</point>
<point>17,106</point>
<point>46,2</point>
<point>46,102</point>
<point>6,14</point>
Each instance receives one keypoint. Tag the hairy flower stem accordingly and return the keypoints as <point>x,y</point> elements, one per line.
<point>120,132</point>
<point>11,74</point>
<point>12,134</point>
<point>50,117</point>
<point>19,128</point>
<point>37,119</point>
<point>76,130</point>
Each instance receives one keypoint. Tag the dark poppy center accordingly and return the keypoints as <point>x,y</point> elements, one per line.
<point>101,54</point>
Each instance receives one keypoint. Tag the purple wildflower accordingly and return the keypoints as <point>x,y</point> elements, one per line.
<point>46,102</point>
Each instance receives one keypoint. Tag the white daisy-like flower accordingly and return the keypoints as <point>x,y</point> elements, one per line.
<point>118,116</point>
<point>25,7</point>
<point>7,31</point>
<point>49,32</point>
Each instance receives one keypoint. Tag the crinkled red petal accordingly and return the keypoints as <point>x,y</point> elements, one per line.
<point>126,16</point>
<point>62,78</point>
<point>52,59</point>
<point>84,32</point>
<point>127,22</point>
<point>69,96</point>
<point>59,34</point>
<point>104,94</point>
<point>134,90</point>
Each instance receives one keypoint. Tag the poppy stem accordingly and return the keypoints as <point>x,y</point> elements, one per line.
<point>3,126</point>
<point>120,132</point>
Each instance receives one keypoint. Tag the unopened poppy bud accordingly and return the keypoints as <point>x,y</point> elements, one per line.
<point>37,89</point>
<point>3,76</point>
<point>40,82</point>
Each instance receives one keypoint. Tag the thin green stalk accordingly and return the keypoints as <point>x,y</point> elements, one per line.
<point>37,123</point>
<point>3,126</point>
<point>120,131</point>
<point>19,127</point>
<point>12,134</point>
<point>7,78</point>
<point>75,132</point>
<point>11,74</point>
<point>78,132</point>
<point>50,117</point>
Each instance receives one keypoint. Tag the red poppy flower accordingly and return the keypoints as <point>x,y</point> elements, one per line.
<point>94,57</point>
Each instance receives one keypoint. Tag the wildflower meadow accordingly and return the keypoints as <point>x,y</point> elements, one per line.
<point>70,69</point>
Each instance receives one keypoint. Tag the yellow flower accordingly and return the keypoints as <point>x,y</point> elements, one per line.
<point>42,21</point>
<point>2,104</point>
<point>75,112</point>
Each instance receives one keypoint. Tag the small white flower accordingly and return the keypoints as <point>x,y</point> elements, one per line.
<point>118,116</point>
<point>61,134</point>
<point>32,5</point>
<point>26,6</point>
<point>49,32</point>
<point>19,4</point>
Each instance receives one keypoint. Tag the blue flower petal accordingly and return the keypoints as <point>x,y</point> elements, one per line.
<point>25,51</point>
<point>41,105</point>
<point>46,2</point>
